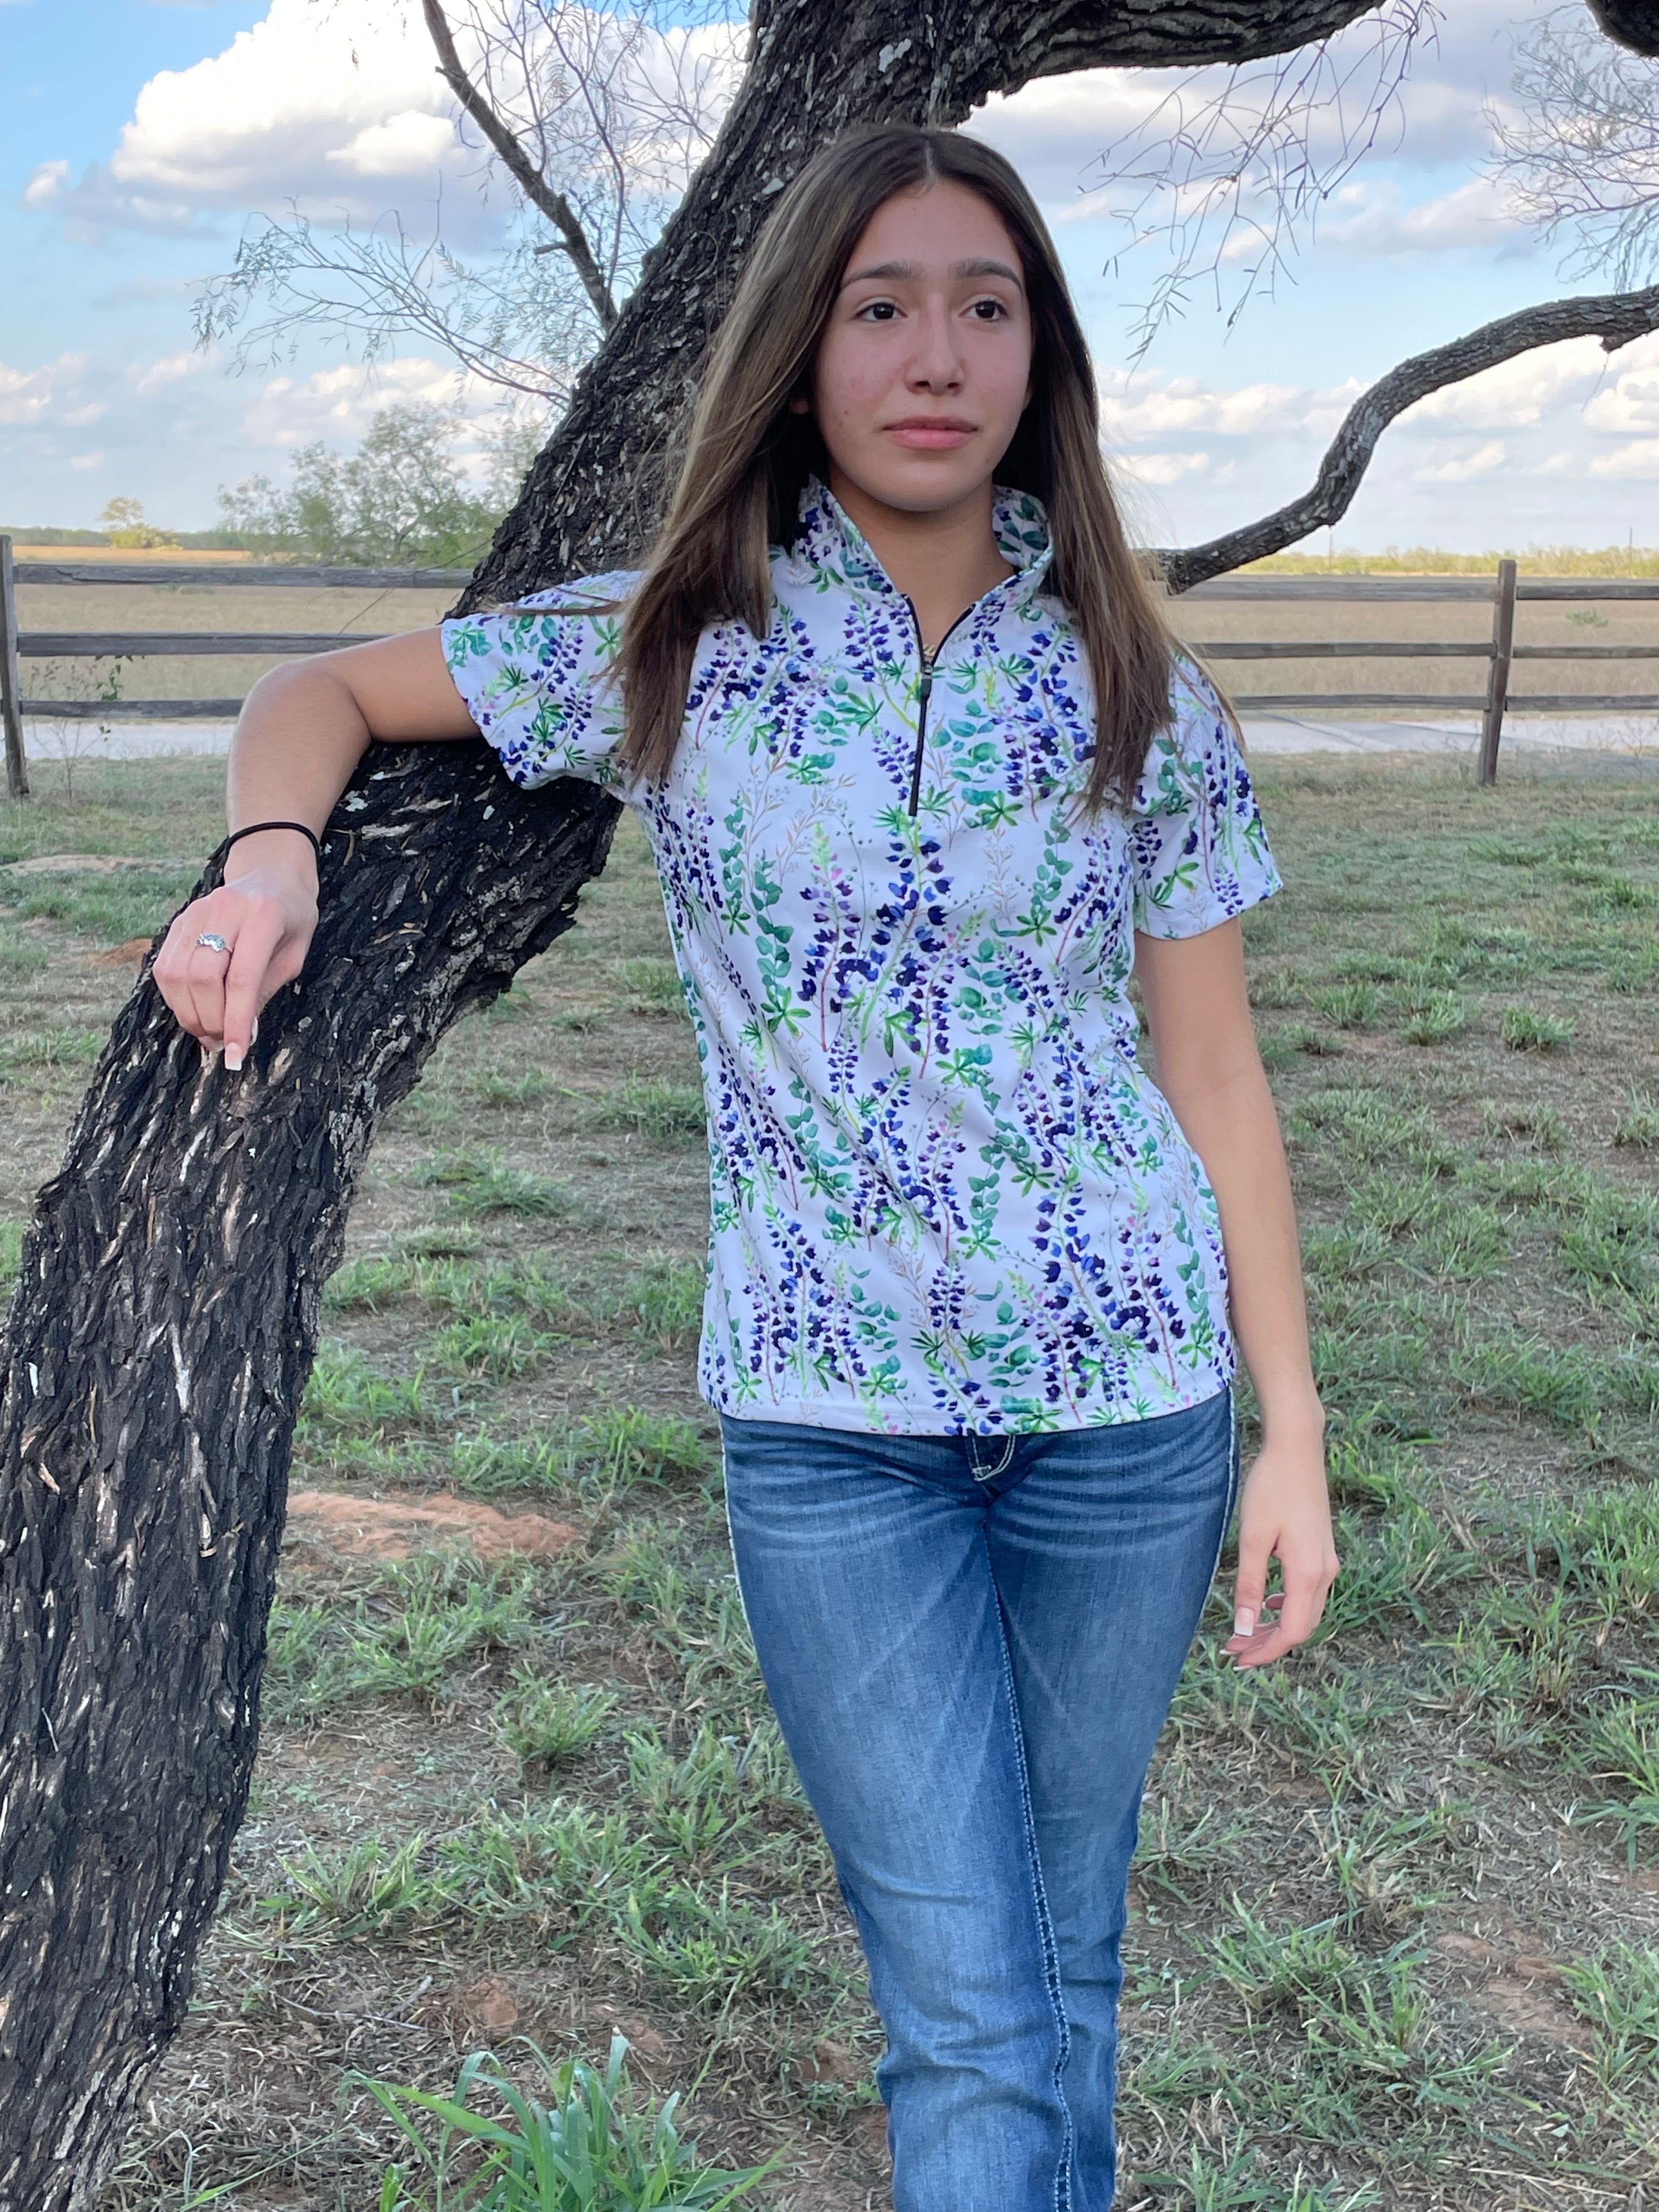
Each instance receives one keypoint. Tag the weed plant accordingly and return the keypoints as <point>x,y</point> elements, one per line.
<point>579,2143</point>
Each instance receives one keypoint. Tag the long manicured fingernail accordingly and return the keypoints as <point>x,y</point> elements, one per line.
<point>233,1057</point>
<point>1244,1621</point>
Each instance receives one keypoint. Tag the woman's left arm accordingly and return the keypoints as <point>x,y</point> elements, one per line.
<point>1198,1013</point>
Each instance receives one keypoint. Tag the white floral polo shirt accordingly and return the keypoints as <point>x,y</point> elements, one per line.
<point>945,1197</point>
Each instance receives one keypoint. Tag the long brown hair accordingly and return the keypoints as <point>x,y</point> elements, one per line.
<point>748,455</point>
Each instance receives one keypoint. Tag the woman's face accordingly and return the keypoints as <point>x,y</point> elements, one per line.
<point>924,366</point>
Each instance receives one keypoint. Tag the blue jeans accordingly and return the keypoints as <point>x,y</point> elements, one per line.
<point>970,1643</point>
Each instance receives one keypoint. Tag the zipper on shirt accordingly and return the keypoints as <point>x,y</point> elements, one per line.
<point>924,691</point>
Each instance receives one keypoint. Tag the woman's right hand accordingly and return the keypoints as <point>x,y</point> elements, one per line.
<point>266,916</point>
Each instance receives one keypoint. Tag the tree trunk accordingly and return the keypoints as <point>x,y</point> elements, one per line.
<point>166,1316</point>
<point>160,1338</point>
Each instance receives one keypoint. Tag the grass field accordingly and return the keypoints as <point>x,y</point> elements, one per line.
<point>1394,1911</point>
<point>185,606</point>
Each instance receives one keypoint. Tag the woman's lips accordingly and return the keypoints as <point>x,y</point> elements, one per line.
<point>925,437</point>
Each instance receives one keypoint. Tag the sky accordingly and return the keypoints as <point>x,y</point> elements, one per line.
<point>143,135</point>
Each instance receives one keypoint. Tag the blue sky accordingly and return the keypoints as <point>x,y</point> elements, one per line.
<point>142,134</point>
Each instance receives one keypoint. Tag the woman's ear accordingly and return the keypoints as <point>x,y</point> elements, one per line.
<point>801,403</point>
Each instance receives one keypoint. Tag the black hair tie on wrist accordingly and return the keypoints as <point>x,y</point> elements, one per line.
<point>303,828</point>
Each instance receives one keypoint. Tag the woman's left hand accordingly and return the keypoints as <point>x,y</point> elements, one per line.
<point>1285,1513</point>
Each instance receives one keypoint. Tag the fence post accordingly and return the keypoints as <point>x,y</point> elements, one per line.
<point>11,686</point>
<point>1498,675</point>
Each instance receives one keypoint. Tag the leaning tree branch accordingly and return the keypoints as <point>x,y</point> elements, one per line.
<point>572,239</point>
<point>1615,318</point>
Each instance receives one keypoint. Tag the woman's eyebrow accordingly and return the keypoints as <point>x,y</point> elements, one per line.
<point>909,272</point>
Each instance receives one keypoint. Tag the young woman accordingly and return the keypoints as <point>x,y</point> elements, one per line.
<point>924,777</point>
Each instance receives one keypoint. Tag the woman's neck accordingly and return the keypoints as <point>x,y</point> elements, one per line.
<point>942,559</point>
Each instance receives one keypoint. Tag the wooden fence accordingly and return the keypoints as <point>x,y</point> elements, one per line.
<point>1499,651</point>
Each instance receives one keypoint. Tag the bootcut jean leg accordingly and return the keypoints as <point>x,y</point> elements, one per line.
<point>970,1644</point>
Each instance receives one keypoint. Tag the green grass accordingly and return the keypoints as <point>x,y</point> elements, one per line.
<point>109,909</point>
<point>604,1457</point>
<point>579,2142</point>
<point>571,1776</point>
<point>345,1395</point>
<point>664,1300</point>
<point>402,1637</point>
<point>543,1722</point>
<point>655,1106</point>
<point>495,1087</point>
<point>651,986</point>
<point>50,1050</point>
<point>480,1183</point>
<point>1524,1029</point>
<point>1436,1017</point>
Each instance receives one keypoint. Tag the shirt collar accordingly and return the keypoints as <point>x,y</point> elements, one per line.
<point>829,541</point>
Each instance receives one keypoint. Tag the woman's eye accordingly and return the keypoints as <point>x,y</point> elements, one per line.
<point>882,310</point>
<point>989,311</point>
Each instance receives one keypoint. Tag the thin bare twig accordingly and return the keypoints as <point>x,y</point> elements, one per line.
<point>1234,167</point>
<point>529,178</point>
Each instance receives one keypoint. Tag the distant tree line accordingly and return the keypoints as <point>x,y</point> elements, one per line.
<point>403,498</point>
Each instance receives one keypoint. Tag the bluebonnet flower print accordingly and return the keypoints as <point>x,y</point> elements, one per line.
<point>945,1196</point>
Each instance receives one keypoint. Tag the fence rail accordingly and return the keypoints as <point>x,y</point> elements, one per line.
<point>1500,652</point>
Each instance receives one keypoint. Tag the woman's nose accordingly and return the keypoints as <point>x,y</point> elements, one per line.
<point>937,361</point>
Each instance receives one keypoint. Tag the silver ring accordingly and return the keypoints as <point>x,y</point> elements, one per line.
<point>213,941</point>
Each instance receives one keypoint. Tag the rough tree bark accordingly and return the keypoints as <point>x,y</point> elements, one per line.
<point>1633,24</point>
<point>166,1314</point>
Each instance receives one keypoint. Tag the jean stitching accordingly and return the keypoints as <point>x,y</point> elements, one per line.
<point>1045,1926</point>
<point>1232,1486</point>
<point>991,1474</point>
<point>731,1541</point>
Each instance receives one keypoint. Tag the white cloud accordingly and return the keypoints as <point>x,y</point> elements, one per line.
<point>338,404</point>
<point>1527,390</point>
<point>1464,467</point>
<point>403,145</point>
<point>1162,468</point>
<point>146,377</point>
<point>1638,458</point>
<point>175,427</point>
<point>1371,217</point>
<point>45,184</point>
<point>49,392</point>
<point>339,110</point>
<point>1143,404</point>
<point>1631,402</point>
<point>330,106</point>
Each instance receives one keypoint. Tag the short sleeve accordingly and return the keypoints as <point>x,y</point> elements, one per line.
<point>1197,847</point>
<point>536,679</point>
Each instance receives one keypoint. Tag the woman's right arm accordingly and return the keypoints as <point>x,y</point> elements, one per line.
<point>301,732</point>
